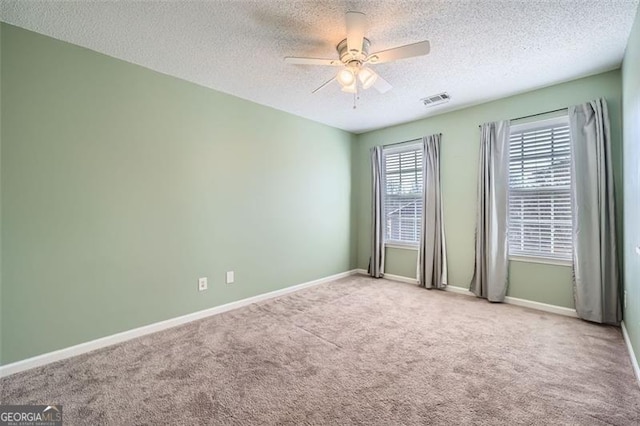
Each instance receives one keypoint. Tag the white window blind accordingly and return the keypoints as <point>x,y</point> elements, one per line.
<point>403,194</point>
<point>539,183</point>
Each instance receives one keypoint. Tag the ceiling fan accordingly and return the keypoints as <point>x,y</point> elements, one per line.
<point>354,58</point>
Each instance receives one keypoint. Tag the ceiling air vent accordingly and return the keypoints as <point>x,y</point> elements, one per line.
<point>434,100</point>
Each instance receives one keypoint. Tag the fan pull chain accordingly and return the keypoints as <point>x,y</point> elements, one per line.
<point>355,96</point>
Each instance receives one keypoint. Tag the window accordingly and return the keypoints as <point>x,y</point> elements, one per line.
<point>402,194</point>
<point>539,184</point>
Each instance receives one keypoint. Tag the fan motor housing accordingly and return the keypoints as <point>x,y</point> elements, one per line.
<point>346,56</point>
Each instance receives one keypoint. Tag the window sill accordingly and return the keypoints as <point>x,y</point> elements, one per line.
<point>401,246</point>
<point>546,261</point>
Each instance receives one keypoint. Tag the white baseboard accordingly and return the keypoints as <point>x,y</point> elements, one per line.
<point>47,358</point>
<point>554,309</point>
<point>560,310</point>
<point>459,290</point>
<point>400,279</point>
<point>632,354</point>
<point>391,277</point>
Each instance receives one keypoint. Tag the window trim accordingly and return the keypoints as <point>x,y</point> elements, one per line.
<point>401,245</point>
<point>540,259</point>
<point>396,149</point>
<point>527,127</point>
<point>539,124</point>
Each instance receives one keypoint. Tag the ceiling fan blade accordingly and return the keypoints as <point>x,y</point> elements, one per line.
<point>402,52</point>
<point>324,84</point>
<point>313,61</point>
<point>382,85</point>
<point>356,26</point>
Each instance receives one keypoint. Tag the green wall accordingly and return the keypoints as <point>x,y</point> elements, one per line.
<point>121,186</point>
<point>631,104</point>
<point>459,165</point>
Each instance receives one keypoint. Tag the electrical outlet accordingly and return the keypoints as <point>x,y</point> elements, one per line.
<point>230,277</point>
<point>202,284</point>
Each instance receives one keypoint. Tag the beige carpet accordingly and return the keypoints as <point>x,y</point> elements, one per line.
<point>355,351</point>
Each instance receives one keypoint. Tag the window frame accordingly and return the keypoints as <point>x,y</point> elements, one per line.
<point>397,149</point>
<point>521,128</point>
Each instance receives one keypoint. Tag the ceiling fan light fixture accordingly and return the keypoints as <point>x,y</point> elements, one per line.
<point>354,56</point>
<point>350,88</point>
<point>367,77</point>
<point>346,77</point>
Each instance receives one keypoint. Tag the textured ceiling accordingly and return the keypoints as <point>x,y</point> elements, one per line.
<point>480,50</point>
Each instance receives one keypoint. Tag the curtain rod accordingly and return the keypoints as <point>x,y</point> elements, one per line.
<point>410,140</point>
<point>535,115</point>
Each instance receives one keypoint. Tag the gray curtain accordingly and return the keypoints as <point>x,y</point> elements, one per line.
<point>492,217</point>
<point>595,261</point>
<point>376,261</point>
<point>432,259</point>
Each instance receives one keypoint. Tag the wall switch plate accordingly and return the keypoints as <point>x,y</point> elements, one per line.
<point>202,284</point>
<point>230,277</point>
<point>625,299</point>
<point>638,250</point>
